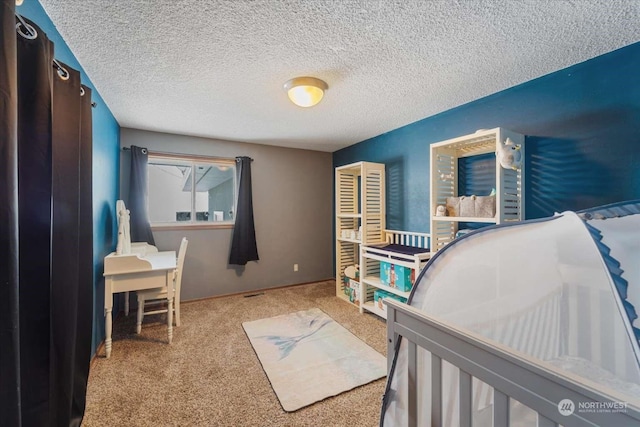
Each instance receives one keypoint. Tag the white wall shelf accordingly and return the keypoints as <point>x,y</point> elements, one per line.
<point>360,207</point>
<point>464,219</point>
<point>349,216</point>
<point>375,282</point>
<point>343,239</point>
<point>509,183</point>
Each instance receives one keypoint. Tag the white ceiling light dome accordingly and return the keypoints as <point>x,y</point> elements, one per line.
<point>305,91</point>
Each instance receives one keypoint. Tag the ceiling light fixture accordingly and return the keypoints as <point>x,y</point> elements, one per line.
<point>305,91</point>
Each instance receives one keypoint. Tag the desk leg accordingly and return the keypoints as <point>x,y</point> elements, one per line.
<point>108,307</point>
<point>107,327</point>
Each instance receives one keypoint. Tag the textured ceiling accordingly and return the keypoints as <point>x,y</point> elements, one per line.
<point>216,68</point>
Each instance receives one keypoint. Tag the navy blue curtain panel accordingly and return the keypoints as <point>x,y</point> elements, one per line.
<point>243,244</point>
<point>140,229</point>
<point>46,209</point>
<point>9,314</point>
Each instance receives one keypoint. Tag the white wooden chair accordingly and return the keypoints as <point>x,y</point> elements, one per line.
<point>158,296</point>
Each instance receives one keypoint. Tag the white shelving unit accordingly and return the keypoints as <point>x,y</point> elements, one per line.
<point>371,256</point>
<point>360,206</point>
<point>509,183</point>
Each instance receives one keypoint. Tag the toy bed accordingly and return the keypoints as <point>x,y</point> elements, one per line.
<point>528,324</point>
<point>406,251</point>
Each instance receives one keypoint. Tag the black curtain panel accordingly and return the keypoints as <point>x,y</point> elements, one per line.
<point>85,261</point>
<point>34,228</point>
<point>243,244</point>
<point>65,243</point>
<point>140,230</point>
<point>72,245</point>
<point>46,220</point>
<point>9,314</point>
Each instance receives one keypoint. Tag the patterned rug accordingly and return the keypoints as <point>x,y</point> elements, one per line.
<point>308,357</point>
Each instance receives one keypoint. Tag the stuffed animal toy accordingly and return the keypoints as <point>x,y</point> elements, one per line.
<point>509,155</point>
<point>441,210</point>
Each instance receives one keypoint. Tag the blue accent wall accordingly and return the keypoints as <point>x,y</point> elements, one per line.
<point>582,127</point>
<point>106,166</point>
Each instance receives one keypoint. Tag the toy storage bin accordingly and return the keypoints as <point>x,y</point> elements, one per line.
<point>397,276</point>
<point>385,273</point>
<point>380,294</point>
<point>354,292</point>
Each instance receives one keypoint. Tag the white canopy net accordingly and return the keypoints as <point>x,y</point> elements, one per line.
<point>560,290</point>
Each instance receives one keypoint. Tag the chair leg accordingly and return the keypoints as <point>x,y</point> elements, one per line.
<point>170,320</point>
<point>140,315</point>
<point>176,307</point>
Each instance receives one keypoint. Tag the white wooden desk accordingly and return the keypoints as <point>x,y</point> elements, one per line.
<point>133,272</point>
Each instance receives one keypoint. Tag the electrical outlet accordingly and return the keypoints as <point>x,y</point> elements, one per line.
<point>295,267</point>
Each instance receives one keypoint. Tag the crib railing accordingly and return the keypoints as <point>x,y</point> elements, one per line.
<point>511,376</point>
<point>407,238</point>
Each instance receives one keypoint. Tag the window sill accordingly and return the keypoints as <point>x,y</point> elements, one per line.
<point>191,226</point>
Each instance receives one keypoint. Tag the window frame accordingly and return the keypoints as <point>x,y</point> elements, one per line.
<point>194,161</point>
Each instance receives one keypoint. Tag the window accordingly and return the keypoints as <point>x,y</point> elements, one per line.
<point>188,191</point>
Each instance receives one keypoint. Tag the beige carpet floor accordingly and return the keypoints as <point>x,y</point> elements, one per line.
<point>210,375</point>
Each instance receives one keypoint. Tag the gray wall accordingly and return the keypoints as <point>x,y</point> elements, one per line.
<point>293,208</point>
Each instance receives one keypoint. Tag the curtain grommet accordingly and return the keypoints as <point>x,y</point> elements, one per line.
<point>31,33</point>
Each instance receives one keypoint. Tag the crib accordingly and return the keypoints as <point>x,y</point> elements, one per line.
<point>525,324</point>
<point>508,373</point>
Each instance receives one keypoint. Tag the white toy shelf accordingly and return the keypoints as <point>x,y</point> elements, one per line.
<point>409,249</point>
